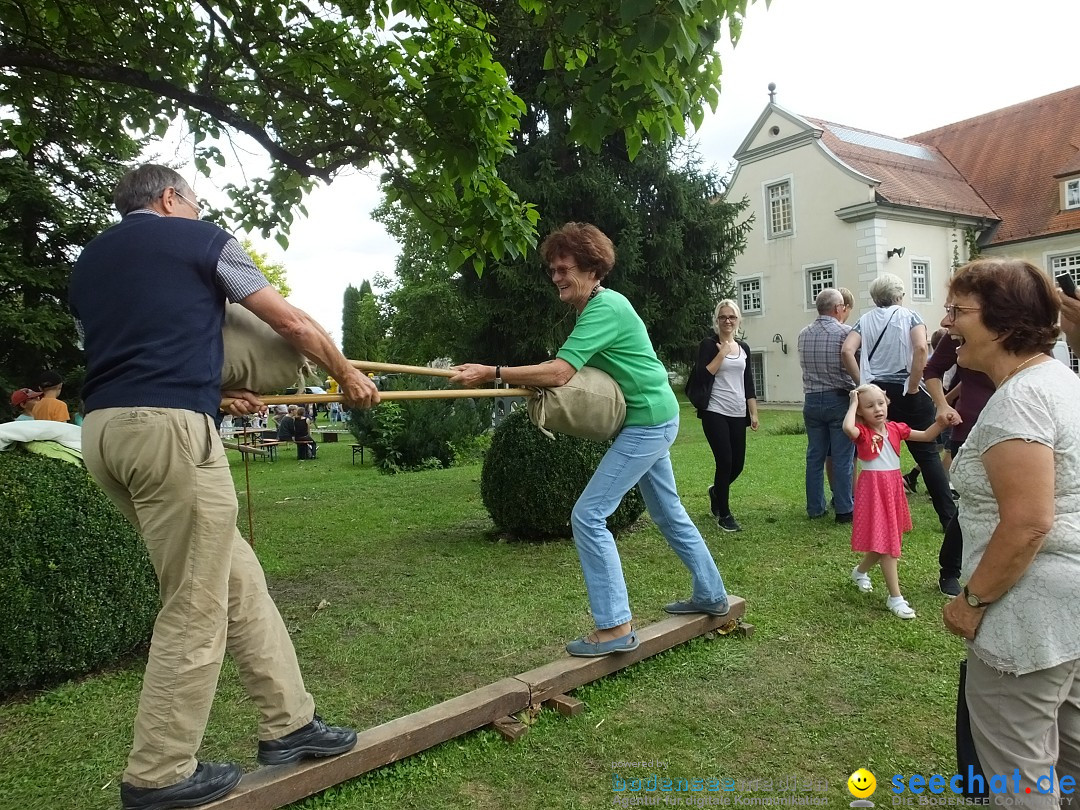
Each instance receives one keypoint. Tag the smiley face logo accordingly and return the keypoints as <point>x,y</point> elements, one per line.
<point>862,784</point>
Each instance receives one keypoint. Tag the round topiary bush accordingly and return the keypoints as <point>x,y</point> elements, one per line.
<point>76,584</point>
<point>529,483</point>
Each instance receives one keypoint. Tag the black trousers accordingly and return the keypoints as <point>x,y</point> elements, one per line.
<point>727,439</point>
<point>951,555</point>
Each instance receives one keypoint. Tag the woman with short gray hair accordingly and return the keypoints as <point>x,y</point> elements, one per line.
<point>886,290</point>
<point>892,339</point>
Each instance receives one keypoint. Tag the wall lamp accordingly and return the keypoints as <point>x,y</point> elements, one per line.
<point>778,338</point>
<point>894,252</point>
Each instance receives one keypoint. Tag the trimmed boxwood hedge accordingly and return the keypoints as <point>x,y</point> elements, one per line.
<point>76,586</point>
<point>529,482</point>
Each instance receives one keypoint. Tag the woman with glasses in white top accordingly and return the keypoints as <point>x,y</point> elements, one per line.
<point>722,373</point>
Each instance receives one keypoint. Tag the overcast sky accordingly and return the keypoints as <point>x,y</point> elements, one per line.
<point>897,67</point>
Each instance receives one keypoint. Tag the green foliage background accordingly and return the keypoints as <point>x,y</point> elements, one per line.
<point>676,238</point>
<point>420,434</point>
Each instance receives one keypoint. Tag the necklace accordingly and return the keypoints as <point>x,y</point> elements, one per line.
<point>595,290</point>
<point>1011,373</point>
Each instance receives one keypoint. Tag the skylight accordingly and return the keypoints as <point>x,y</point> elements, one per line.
<point>882,143</point>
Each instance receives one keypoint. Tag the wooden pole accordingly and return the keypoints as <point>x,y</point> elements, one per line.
<point>395,368</point>
<point>391,396</point>
<point>244,448</point>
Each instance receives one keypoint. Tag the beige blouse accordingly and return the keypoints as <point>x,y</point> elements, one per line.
<point>1036,624</point>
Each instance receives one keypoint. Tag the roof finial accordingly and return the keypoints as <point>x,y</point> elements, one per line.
<point>772,92</point>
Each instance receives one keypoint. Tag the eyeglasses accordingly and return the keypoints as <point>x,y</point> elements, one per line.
<point>952,309</point>
<point>194,205</point>
<point>727,317</point>
<point>553,270</point>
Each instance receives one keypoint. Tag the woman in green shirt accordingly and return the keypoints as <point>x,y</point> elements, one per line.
<point>609,335</point>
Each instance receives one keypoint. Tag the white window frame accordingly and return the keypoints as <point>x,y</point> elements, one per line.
<point>1072,194</point>
<point>1058,263</point>
<point>766,193</point>
<point>754,358</point>
<point>925,265</point>
<point>741,294</point>
<point>809,284</point>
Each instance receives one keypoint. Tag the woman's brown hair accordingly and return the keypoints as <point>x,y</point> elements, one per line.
<point>1017,301</point>
<point>589,247</point>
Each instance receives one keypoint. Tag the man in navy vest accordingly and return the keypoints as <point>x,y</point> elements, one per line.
<point>150,295</point>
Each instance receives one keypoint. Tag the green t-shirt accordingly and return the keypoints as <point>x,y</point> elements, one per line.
<point>610,336</point>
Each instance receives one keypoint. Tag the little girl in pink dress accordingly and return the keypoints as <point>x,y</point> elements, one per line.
<point>881,509</point>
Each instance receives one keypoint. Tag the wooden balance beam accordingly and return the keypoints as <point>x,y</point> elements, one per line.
<point>269,788</point>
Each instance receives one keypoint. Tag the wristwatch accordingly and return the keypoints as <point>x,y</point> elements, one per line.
<point>973,600</point>
<point>498,375</point>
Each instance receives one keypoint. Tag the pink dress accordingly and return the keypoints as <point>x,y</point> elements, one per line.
<point>881,509</point>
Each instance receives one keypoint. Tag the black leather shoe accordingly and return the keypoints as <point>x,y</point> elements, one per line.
<point>210,782</point>
<point>316,739</point>
<point>844,517</point>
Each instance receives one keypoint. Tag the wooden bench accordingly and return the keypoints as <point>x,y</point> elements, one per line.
<point>246,449</point>
<point>270,446</point>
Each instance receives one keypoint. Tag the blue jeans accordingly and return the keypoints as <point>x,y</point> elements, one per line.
<point>823,414</point>
<point>639,455</point>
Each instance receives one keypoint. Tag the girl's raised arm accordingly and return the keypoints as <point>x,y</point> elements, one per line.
<point>849,418</point>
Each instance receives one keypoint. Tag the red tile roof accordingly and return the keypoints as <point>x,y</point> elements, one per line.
<point>909,173</point>
<point>1011,156</point>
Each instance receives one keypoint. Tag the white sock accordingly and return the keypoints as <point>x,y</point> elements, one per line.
<point>894,600</point>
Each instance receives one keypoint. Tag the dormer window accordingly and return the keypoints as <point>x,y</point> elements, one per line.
<point>1072,194</point>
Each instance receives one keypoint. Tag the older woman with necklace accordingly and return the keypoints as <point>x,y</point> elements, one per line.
<point>609,335</point>
<point>1018,475</point>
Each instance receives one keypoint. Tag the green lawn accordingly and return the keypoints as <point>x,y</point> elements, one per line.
<point>399,595</point>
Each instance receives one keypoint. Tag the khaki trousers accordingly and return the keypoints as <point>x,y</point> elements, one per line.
<point>1030,723</point>
<point>166,471</point>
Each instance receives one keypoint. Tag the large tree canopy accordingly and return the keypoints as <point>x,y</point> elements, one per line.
<point>55,192</point>
<point>414,85</point>
<point>676,240</point>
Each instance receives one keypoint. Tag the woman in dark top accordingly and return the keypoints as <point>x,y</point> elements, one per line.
<point>285,424</point>
<point>301,430</point>
<point>723,369</point>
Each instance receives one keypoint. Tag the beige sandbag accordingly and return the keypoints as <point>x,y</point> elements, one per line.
<point>256,357</point>
<point>590,406</point>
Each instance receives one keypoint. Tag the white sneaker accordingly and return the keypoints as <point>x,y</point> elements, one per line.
<point>861,580</point>
<point>900,607</point>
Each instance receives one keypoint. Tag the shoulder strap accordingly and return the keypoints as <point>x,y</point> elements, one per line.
<point>884,329</point>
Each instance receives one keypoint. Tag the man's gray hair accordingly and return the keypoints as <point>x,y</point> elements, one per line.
<point>828,300</point>
<point>886,290</point>
<point>140,187</point>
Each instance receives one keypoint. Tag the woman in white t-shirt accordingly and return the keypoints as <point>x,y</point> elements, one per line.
<point>732,405</point>
<point>1018,475</point>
